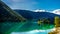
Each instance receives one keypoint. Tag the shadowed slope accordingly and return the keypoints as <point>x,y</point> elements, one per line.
<point>7,13</point>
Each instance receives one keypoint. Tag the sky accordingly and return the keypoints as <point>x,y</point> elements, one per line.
<point>33,4</point>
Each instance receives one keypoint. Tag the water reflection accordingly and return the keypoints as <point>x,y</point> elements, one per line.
<point>35,32</point>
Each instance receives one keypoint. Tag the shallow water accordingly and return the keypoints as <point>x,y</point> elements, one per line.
<point>34,32</point>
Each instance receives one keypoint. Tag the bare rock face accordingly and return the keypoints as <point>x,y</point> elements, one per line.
<point>56,31</point>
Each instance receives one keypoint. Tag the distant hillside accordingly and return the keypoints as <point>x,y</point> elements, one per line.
<point>25,13</point>
<point>36,15</point>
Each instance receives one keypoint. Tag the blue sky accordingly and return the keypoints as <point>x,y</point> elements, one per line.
<point>33,4</point>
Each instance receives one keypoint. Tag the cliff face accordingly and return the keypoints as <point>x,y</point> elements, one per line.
<point>7,14</point>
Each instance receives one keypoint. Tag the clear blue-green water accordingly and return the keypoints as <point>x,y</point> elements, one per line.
<point>34,32</point>
<point>28,27</point>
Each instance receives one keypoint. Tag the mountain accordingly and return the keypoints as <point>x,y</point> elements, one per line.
<point>7,14</point>
<point>36,15</point>
<point>25,13</point>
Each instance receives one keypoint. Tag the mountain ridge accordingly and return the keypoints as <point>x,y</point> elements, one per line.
<point>30,15</point>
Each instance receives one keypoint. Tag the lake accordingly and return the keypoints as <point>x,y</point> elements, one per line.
<point>28,27</point>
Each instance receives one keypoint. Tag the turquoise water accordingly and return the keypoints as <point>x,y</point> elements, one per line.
<point>28,27</point>
<point>34,32</point>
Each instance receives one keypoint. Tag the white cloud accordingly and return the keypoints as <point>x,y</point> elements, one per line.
<point>17,0</point>
<point>57,11</point>
<point>39,10</point>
